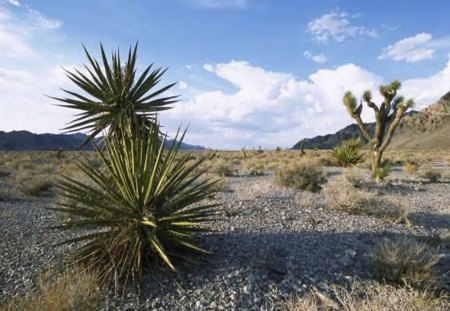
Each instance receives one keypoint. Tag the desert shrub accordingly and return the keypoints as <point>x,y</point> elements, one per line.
<point>72,291</point>
<point>142,209</point>
<point>366,297</point>
<point>305,175</point>
<point>5,193</point>
<point>410,168</point>
<point>35,187</point>
<point>4,173</point>
<point>341,194</point>
<point>403,260</point>
<point>222,167</point>
<point>431,175</point>
<point>348,153</point>
<point>254,167</point>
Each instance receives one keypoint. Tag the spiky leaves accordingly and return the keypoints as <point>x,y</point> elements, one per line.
<point>112,94</point>
<point>142,207</point>
<point>348,153</point>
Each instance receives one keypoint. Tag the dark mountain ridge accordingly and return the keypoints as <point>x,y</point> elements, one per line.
<point>27,141</point>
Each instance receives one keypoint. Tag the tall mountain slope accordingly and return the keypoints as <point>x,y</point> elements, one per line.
<point>426,129</point>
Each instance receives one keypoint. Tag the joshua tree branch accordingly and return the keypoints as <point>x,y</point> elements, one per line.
<point>398,116</point>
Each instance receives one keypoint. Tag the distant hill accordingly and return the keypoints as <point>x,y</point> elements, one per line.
<point>27,141</point>
<point>425,129</point>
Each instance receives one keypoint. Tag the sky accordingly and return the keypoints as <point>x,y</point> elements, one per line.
<point>250,72</point>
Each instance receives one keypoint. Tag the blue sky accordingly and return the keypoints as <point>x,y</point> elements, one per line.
<point>250,72</point>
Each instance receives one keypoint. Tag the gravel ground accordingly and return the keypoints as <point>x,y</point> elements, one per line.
<point>271,243</point>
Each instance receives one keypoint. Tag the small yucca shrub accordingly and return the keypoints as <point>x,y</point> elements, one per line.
<point>404,260</point>
<point>348,153</point>
<point>304,175</point>
<point>143,206</point>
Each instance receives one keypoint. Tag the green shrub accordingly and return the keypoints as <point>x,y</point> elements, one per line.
<point>432,176</point>
<point>142,208</point>
<point>404,260</point>
<point>348,153</point>
<point>304,175</point>
<point>35,187</point>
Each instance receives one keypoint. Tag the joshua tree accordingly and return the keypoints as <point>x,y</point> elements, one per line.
<point>387,118</point>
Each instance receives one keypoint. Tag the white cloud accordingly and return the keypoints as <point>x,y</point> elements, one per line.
<point>319,58</point>
<point>29,70</point>
<point>277,109</point>
<point>426,91</point>
<point>410,49</point>
<point>268,108</point>
<point>40,22</point>
<point>338,26</point>
<point>183,85</point>
<point>14,2</point>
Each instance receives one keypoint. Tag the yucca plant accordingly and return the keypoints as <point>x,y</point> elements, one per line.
<point>141,208</point>
<point>113,95</point>
<point>348,153</point>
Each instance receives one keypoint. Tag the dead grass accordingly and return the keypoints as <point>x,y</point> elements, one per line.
<point>345,194</point>
<point>35,187</point>
<point>404,260</point>
<point>365,297</point>
<point>72,291</point>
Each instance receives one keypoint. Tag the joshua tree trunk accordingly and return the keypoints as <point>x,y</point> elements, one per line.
<point>376,162</point>
<point>385,119</point>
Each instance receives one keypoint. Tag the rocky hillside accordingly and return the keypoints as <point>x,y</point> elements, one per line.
<point>426,129</point>
<point>26,141</point>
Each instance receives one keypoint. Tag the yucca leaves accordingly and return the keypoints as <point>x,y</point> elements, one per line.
<point>348,153</point>
<point>112,95</point>
<point>142,206</point>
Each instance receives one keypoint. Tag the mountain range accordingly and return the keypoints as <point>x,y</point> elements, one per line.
<point>26,141</point>
<point>425,129</point>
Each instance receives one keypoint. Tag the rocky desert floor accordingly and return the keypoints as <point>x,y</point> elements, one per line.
<point>269,244</point>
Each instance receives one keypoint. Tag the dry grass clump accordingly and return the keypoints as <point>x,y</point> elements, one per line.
<point>345,195</point>
<point>5,193</point>
<point>35,187</point>
<point>304,175</point>
<point>72,291</point>
<point>410,168</point>
<point>366,297</point>
<point>255,190</point>
<point>222,168</point>
<point>404,260</point>
<point>254,167</point>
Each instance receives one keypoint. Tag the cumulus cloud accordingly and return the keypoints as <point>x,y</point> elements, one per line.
<point>338,26</point>
<point>268,108</point>
<point>319,58</point>
<point>411,49</point>
<point>426,91</point>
